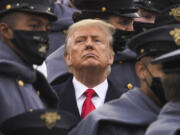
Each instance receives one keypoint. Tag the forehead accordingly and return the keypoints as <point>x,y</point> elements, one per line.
<point>26,17</point>
<point>147,60</point>
<point>89,30</point>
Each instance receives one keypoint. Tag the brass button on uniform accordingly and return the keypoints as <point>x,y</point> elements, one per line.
<point>8,6</point>
<point>120,62</point>
<point>30,110</point>
<point>129,86</point>
<point>142,50</point>
<point>20,83</point>
<point>38,92</point>
<point>103,9</point>
<point>65,32</point>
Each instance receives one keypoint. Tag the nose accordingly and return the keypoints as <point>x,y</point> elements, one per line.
<point>89,43</point>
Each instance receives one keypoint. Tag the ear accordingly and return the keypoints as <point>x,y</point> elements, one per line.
<point>5,31</point>
<point>67,58</point>
<point>140,70</point>
<point>111,58</point>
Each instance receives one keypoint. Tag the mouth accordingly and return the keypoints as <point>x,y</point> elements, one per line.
<point>89,55</point>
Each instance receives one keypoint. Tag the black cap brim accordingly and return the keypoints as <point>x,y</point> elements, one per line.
<point>40,12</point>
<point>131,15</point>
<point>167,57</point>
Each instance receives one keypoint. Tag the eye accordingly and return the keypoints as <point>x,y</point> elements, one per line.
<point>34,26</point>
<point>79,41</point>
<point>97,40</point>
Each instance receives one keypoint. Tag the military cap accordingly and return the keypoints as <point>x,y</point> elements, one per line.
<point>119,7</point>
<point>155,5</point>
<point>170,15</point>
<point>156,41</point>
<point>37,7</point>
<point>39,122</point>
<point>170,61</point>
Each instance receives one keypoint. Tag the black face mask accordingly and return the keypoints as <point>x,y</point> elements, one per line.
<point>32,44</point>
<point>157,88</point>
<point>142,27</point>
<point>120,38</point>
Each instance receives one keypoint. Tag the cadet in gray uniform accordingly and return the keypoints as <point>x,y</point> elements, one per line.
<point>64,12</point>
<point>168,122</point>
<point>24,26</point>
<point>136,109</point>
<point>149,10</point>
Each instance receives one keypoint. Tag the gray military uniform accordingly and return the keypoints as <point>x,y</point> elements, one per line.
<point>168,122</point>
<point>134,110</point>
<point>17,94</point>
<point>59,27</point>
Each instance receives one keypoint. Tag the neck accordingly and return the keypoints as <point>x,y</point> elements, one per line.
<point>90,77</point>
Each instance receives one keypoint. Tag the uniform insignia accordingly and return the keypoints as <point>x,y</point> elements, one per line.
<point>42,49</point>
<point>175,12</point>
<point>50,119</point>
<point>176,35</point>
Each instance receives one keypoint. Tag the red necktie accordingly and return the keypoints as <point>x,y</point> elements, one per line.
<point>88,106</point>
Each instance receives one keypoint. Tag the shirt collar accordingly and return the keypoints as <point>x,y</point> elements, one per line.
<point>100,89</point>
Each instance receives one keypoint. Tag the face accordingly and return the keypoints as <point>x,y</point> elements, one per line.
<point>146,17</point>
<point>146,69</point>
<point>121,23</point>
<point>89,48</point>
<point>22,21</point>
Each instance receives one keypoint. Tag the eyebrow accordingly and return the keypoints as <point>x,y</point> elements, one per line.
<point>34,19</point>
<point>83,36</point>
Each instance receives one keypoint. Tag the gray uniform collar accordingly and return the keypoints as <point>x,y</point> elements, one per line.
<point>12,65</point>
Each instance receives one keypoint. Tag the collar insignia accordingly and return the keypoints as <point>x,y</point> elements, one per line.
<point>176,35</point>
<point>175,12</point>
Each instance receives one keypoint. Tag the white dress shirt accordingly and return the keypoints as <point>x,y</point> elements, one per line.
<point>97,100</point>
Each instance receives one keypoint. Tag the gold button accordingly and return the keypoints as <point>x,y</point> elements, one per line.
<point>30,110</point>
<point>142,50</point>
<point>120,62</point>
<point>8,6</point>
<point>21,83</point>
<point>103,9</point>
<point>65,32</point>
<point>38,92</point>
<point>129,86</point>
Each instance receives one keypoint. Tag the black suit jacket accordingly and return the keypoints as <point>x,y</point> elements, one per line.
<point>67,99</point>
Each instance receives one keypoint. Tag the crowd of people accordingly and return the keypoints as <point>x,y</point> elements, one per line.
<point>89,67</point>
